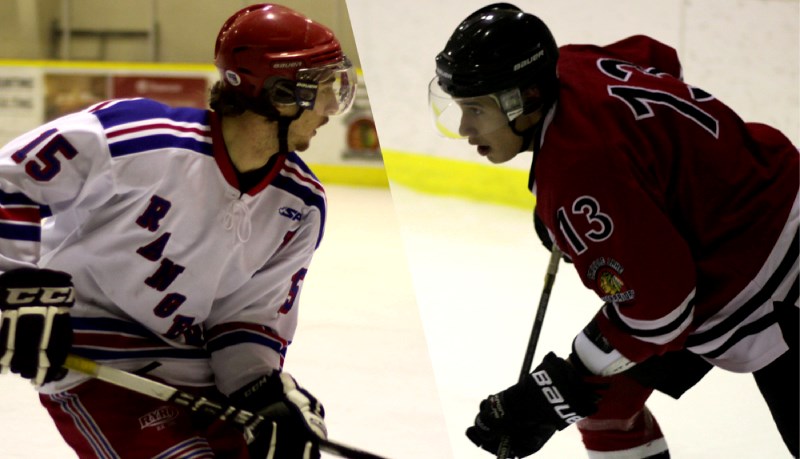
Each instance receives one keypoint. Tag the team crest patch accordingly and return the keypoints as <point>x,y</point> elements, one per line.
<point>233,78</point>
<point>606,273</point>
<point>158,418</point>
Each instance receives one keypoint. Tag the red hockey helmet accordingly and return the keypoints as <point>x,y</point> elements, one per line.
<point>265,43</point>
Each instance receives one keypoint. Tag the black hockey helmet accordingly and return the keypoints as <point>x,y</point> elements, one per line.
<point>498,50</point>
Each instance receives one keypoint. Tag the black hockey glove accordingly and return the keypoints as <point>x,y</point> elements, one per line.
<point>294,419</point>
<point>551,398</point>
<point>36,333</point>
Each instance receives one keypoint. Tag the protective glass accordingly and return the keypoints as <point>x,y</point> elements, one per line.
<point>328,90</point>
<point>461,117</point>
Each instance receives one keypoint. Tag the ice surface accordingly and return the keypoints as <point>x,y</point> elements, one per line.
<point>478,271</point>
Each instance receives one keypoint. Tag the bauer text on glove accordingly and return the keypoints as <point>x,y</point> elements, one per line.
<point>528,413</point>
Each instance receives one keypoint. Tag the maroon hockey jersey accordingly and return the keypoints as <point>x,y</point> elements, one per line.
<point>682,217</point>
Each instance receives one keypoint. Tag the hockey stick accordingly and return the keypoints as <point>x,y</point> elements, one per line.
<point>527,362</point>
<point>244,419</point>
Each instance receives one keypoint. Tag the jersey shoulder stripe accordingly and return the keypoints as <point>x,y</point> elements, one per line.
<point>140,125</point>
<point>158,142</point>
<point>301,182</point>
<point>125,111</point>
<point>297,179</point>
<point>296,162</point>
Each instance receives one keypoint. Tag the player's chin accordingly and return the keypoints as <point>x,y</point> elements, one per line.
<point>499,157</point>
<point>302,145</point>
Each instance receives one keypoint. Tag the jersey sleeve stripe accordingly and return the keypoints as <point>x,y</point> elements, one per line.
<point>17,232</point>
<point>714,339</point>
<point>20,217</point>
<point>11,199</point>
<point>237,326</point>
<point>30,215</point>
<point>129,354</point>
<point>660,331</point>
<point>245,336</point>
<point>113,339</point>
<point>751,328</point>
<point>234,333</point>
<point>108,325</point>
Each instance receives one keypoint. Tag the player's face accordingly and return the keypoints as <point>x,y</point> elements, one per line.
<point>485,126</point>
<point>305,127</point>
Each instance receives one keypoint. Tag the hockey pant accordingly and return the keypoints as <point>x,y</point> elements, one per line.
<point>99,420</point>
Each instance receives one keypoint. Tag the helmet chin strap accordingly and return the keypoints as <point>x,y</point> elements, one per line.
<point>527,135</point>
<point>270,112</point>
<point>283,130</point>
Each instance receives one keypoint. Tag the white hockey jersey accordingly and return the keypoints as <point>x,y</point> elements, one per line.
<point>171,262</point>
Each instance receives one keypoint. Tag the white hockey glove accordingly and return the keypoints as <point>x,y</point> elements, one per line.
<point>36,333</point>
<point>294,419</point>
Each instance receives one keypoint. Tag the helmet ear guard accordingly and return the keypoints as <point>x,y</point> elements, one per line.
<point>280,91</point>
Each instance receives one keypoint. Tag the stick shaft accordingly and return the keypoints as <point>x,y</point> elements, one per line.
<point>538,322</point>
<point>160,391</point>
<point>533,341</point>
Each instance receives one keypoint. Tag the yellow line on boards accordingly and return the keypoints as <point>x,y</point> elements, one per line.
<point>96,65</point>
<point>450,177</point>
<point>350,175</point>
